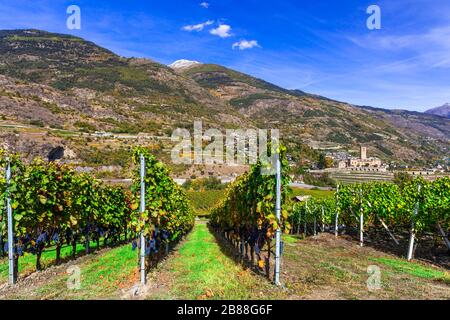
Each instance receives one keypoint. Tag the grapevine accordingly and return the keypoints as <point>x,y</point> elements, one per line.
<point>168,215</point>
<point>246,215</point>
<point>385,204</point>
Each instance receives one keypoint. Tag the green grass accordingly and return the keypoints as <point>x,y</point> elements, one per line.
<point>287,238</point>
<point>314,193</point>
<point>27,263</point>
<point>101,278</point>
<point>337,272</point>
<point>202,271</point>
<point>63,133</point>
<point>414,269</point>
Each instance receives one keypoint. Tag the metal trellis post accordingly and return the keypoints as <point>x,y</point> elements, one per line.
<point>278,214</point>
<point>142,210</point>
<point>12,272</point>
<point>361,220</point>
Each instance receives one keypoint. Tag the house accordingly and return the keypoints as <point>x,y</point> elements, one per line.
<point>302,198</point>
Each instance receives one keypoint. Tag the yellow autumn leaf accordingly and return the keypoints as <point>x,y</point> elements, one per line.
<point>73,220</point>
<point>42,199</point>
<point>261,264</point>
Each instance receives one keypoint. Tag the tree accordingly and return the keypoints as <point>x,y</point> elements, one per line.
<point>402,178</point>
<point>329,163</point>
<point>324,162</point>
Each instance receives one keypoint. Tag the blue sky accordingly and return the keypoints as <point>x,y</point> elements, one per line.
<point>322,47</point>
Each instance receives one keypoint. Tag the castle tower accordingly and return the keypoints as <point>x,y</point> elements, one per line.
<point>363,153</point>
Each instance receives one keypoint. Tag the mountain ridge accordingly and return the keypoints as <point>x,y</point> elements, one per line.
<point>73,84</point>
<point>443,111</point>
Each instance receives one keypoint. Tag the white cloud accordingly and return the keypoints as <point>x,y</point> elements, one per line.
<point>204,5</point>
<point>437,37</point>
<point>222,31</point>
<point>198,27</point>
<point>245,44</point>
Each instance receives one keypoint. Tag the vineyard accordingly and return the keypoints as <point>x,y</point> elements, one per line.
<point>114,233</point>
<point>205,200</point>
<point>420,207</point>
<point>54,206</point>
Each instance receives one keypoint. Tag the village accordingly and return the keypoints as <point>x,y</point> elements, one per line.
<point>354,169</point>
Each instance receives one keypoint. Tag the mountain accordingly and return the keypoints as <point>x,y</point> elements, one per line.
<point>320,122</point>
<point>53,86</point>
<point>65,73</point>
<point>443,111</point>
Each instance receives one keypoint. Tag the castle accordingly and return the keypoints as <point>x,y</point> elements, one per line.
<point>362,163</point>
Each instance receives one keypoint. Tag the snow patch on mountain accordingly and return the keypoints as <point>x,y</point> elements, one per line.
<point>183,64</point>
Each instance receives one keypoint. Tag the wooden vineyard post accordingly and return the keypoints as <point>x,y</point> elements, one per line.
<point>142,210</point>
<point>299,222</point>
<point>11,264</point>
<point>278,214</point>
<point>412,236</point>
<point>336,227</point>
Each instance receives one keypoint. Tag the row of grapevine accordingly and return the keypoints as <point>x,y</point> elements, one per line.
<point>54,206</point>
<point>315,214</point>
<point>397,205</point>
<point>246,215</point>
<point>168,215</point>
<point>420,205</point>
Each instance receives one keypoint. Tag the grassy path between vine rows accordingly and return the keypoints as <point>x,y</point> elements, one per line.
<point>201,269</point>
